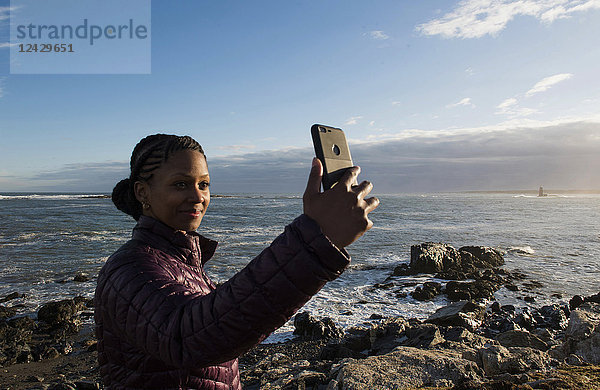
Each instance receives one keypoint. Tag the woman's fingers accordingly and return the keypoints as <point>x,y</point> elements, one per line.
<point>363,189</point>
<point>372,204</point>
<point>349,177</point>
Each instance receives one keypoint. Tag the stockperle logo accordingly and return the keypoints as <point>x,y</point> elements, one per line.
<point>80,37</point>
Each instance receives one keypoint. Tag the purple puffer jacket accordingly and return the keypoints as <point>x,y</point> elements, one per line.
<point>162,324</point>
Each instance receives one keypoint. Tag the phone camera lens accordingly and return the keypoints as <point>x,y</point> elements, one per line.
<point>336,150</point>
<point>322,130</point>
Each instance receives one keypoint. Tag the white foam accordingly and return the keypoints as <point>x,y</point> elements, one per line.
<point>522,250</point>
<point>50,197</point>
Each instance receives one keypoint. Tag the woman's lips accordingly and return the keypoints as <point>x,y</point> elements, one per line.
<point>193,213</point>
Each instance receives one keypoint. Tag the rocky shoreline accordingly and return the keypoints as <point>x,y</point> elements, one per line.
<point>472,343</point>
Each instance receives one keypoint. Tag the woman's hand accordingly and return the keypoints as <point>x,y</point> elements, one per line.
<point>341,212</point>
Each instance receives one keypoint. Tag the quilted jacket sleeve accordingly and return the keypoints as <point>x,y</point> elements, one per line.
<point>159,315</point>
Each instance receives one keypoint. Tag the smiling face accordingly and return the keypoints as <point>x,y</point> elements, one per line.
<point>178,192</point>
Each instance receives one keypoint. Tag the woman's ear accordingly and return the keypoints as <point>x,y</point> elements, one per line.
<point>141,191</point>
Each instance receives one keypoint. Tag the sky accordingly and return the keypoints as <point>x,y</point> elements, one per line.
<point>433,96</point>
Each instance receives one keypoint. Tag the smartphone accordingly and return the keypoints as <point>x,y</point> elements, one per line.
<point>332,149</point>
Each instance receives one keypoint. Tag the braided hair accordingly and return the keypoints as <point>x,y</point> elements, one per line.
<point>148,155</point>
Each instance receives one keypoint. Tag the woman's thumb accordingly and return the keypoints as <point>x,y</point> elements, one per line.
<point>314,179</point>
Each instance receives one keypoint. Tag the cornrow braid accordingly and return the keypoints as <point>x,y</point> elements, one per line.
<point>147,156</point>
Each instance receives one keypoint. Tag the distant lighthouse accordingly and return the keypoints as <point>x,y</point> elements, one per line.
<point>541,191</point>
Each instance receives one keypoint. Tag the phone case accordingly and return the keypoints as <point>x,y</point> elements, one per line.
<point>332,149</point>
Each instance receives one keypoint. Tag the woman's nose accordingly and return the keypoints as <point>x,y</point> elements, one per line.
<point>197,195</point>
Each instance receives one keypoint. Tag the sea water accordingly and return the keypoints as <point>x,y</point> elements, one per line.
<point>46,239</point>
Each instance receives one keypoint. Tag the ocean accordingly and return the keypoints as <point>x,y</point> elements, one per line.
<point>46,239</point>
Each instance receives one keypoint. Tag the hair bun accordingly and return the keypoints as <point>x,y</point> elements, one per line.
<point>123,198</point>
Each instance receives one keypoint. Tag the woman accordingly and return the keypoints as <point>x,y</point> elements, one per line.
<point>160,322</point>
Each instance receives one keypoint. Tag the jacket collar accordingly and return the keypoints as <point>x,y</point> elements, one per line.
<point>189,247</point>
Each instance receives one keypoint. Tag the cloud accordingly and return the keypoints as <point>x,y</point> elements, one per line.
<point>477,18</point>
<point>562,155</point>
<point>510,108</point>
<point>236,148</point>
<point>462,102</point>
<point>352,120</point>
<point>85,177</point>
<point>520,154</point>
<point>548,82</point>
<point>507,103</point>
<point>378,35</point>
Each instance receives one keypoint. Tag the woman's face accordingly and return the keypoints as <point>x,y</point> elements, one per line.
<point>178,192</point>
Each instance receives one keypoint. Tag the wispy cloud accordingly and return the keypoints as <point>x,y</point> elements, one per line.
<point>477,18</point>
<point>352,120</point>
<point>548,82</point>
<point>378,35</point>
<point>5,13</point>
<point>507,103</point>
<point>463,102</point>
<point>510,108</point>
<point>236,148</point>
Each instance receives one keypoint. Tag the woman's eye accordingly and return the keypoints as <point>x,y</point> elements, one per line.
<point>180,185</point>
<point>204,185</point>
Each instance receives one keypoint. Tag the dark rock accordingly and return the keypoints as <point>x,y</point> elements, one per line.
<point>521,338</point>
<point>533,284</point>
<point>11,296</point>
<point>310,328</point>
<point>526,320</point>
<point>575,302</point>
<point>388,334</point>
<point>23,323</point>
<point>511,287</point>
<point>87,385</point>
<point>23,354</point>
<point>593,298</point>
<point>375,316</point>
<point>496,307</point>
<point>336,351</point>
<point>61,314</point>
<point>453,275</point>
<point>479,289</point>
<point>405,368</point>
<point>429,291</point>
<point>7,312</point>
<point>49,353</point>
<point>34,378</point>
<point>555,316</point>
<point>422,336</point>
<point>582,335</point>
<point>484,257</point>
<point>430,257</point>
<point>81,277</point>
<point>463,313</point>
<point>62,386</point>
<point>508,308</point>
<point>515,360</point>
<point>403,270</point>
<point>384,286</point>
<point>529,299</point>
